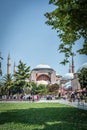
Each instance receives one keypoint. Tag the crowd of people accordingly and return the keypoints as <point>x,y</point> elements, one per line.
<point>73,96</point>
<point>70,96</point>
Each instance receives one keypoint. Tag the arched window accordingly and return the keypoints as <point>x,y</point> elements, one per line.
<point>43,77</point>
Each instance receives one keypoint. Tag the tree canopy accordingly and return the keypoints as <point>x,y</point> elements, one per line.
<point>53,89</point>
<point>21,75</point>
<point>7,82</point>
<point>69,19</point>
<point>82,75</point>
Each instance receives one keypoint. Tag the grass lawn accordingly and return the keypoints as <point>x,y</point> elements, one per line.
<point>41,116</point>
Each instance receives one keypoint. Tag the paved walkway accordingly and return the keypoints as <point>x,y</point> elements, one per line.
<point>80,105</point>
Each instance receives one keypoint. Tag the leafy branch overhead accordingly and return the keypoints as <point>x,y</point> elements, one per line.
<point>69,19</point>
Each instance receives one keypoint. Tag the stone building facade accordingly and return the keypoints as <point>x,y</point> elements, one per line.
<point>43,74</point>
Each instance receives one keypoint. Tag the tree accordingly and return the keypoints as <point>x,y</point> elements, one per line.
<point>20,76</point>
<point>69,19</point>
<point>41,89</point>
<point>2,88</point>
<point>8,82</point>
<point>82,75</point>
<point>27,89</point>
<point>33,88</point>
<point>38,89</point>
<point>53,89</point>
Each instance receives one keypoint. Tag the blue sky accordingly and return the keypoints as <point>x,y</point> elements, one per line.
<point>24,34</point>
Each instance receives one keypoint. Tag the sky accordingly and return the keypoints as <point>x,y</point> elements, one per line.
<point>25,36</point>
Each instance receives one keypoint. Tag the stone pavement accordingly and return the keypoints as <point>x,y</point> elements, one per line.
<point>79,105</point>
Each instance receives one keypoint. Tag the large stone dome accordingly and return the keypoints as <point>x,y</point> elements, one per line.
<point>68,76</point>
<point>43,66</point>
<point>82,66</point>
<point>68,85</point>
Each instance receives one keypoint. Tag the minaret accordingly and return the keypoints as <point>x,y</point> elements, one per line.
<point>73,67</point>
<point>70,68</point>
<point>0,64</point>
<point>14,68</point>
<point>8,64</point>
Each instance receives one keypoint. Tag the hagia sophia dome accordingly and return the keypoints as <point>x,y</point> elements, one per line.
<point>43,67</point>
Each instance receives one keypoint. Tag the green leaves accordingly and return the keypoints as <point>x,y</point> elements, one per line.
<point>84,49</point>
<point>69,19</point>
<point>82,75</point>
<point>21,75</point>
<point>8,82</point>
